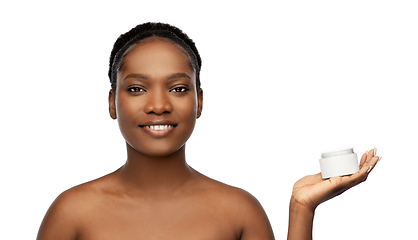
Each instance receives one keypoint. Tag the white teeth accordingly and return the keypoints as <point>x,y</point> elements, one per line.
<point>159,127</point>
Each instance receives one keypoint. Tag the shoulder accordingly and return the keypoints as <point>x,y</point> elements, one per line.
<point>230,195</point>
<point>80,198</point>
<point>242,208</point>
<point>69,210</point>
<point>235,197</point>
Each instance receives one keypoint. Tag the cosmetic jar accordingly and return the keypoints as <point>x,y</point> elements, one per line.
<point>338,163</point>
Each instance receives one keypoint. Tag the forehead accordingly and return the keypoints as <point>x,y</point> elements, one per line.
<point>156,54</point>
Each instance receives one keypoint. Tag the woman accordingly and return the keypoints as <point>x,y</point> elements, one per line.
<point>156,98</point>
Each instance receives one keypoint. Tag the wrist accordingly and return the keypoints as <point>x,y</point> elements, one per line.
<point>299,207</point>
<point>301,219</point>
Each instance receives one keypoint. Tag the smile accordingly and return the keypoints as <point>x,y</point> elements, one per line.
<point>158,127</point>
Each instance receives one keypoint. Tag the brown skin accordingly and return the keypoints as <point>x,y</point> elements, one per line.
<point>312,190</point>
<point>156,195</point>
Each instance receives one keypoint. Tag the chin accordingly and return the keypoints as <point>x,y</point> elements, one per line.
<point>156,150</point>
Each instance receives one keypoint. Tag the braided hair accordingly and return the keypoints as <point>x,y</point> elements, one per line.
<point>146,30</point>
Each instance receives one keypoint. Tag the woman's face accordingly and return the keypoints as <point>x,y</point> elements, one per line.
<point>156,102</point>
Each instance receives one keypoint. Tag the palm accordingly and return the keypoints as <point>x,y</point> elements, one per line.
<point>312,190</point>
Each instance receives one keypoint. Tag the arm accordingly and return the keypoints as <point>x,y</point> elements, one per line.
<point>300,222</point>
<point>312,190</point>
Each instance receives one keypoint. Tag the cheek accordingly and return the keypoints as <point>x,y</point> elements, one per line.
<point>188,108</point>
<point>126,111</point>
<point>189,116</point>
<point>127,117</point>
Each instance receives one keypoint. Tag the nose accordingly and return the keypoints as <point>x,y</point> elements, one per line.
<point>158,103</point>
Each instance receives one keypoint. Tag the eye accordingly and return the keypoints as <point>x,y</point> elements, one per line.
<point>179,89</point>
<point>136,89</point>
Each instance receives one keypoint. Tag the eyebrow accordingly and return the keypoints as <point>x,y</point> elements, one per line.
<point>136,76</point>
<point>178,75</point>
<point>145,77</point>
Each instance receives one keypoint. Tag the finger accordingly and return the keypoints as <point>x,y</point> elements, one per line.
<point>371,154</point>
<point>362,174</point>
<point>347,182</point>
<point>372,163</point>
<point>358,177</point>
<point>363,159</point>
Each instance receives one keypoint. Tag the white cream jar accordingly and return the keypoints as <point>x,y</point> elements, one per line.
<point>338,163</point>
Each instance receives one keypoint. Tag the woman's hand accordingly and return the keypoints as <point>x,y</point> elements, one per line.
<point>312,190</point>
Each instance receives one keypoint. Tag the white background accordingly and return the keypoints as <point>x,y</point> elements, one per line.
<point>283,81</point>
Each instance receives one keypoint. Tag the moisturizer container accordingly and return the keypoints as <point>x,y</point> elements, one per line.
<point>338,163</point>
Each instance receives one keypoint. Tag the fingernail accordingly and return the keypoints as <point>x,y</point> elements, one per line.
<point>370,168</point>
<point>378,160</point>
<point>374,151</point>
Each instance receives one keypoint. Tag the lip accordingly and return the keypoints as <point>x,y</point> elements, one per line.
<point>157,122</point>
<point>157,133</point>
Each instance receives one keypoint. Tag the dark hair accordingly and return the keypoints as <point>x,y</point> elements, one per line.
<point>146,30</point>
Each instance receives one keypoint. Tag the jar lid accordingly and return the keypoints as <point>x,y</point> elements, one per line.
<point>337,153</point>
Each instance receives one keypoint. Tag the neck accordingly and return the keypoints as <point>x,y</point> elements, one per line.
<point>155,174</point>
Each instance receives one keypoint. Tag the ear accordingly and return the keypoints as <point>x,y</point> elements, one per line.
<point>199,102</point>
<point>112,105</point>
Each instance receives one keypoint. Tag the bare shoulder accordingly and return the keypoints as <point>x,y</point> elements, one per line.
<point>70,209</point>
<point>244,209</point>
<point>235,197</point>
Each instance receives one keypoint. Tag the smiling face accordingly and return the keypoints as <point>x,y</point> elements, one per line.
<point>156,101</point>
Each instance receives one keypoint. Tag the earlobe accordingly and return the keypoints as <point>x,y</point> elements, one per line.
<point>112,106</point>
<point>199,102</point>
